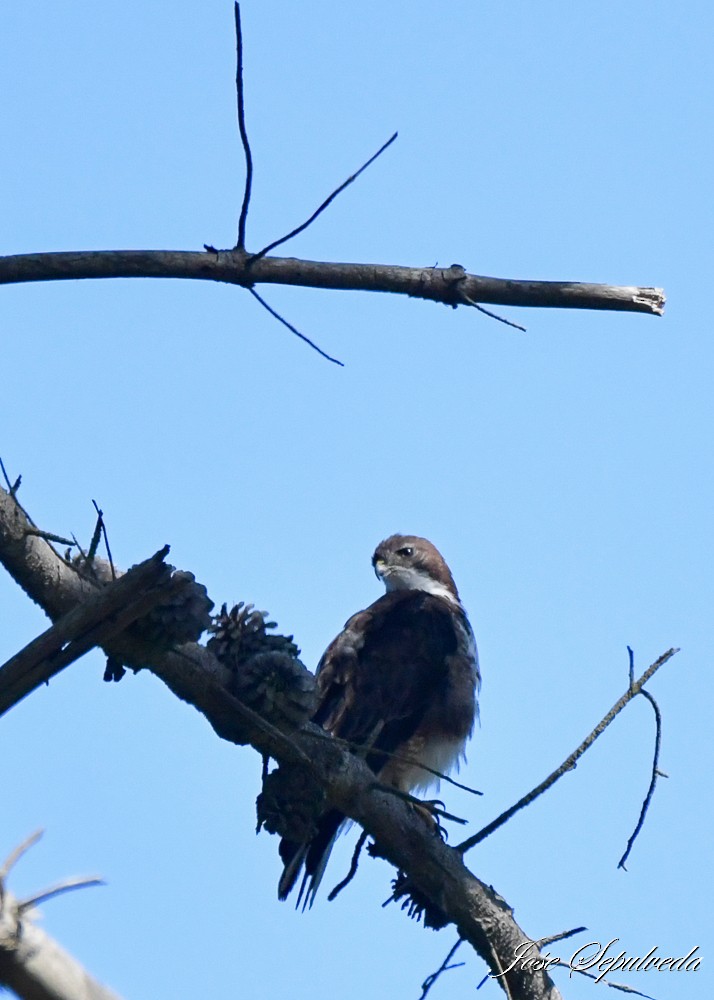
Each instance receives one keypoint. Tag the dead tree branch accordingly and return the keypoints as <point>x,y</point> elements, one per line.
<point>435,870</point>
<point>570,762</point>
<point>32,964</point>
<point>448,285</point>
<point>35,967</point>
<point>194,675</point>
<point>92,623</point>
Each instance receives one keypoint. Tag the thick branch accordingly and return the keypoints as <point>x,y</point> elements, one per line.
<point>35,967</point>
<point>93,622</point>
<point>451,286</point>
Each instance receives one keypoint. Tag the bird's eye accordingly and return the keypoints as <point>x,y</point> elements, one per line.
<point>407,551</point>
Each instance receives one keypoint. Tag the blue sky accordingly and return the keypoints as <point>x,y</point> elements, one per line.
<point>565,472</point>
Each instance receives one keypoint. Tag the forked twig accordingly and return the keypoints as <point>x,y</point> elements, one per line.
<point>240,95</point>
<point>570,762</point>
<point>444,967</point>
<point>101,527</point>
<point>283,239</point>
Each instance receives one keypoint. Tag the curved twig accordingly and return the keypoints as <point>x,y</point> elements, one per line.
<point>352,869</point>
<point>653,780</point>
<point>240,96</point>
<point>570,762</point>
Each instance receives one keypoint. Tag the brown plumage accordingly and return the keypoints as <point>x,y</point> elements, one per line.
<point>401,677</point>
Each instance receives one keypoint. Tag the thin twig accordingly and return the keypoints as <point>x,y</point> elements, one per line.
<point>68,885</point>
<point>570,762</point>
<point>12,488</point>
<point>430,807</point>
<point>96,538</point>
<point>353,867</point>
<point>292,329</point>
<point>240,94</point>
<point>49,536</point>
<point>655,767</point>
<point>100,515</point>
<point>606,982</point>
<point>493,315</point>
<point>552,938</point>
<point>15,855</point>
<point>349,745</point>
<point>283,239</point>
<point>444,967</point>
<point>500,974</point>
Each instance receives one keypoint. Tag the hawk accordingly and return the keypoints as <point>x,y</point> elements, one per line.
<point>401,677</point>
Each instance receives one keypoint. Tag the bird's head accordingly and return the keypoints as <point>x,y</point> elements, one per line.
<point>407,562</point>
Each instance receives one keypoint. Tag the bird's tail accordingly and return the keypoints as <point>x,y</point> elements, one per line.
<point>313,855</point>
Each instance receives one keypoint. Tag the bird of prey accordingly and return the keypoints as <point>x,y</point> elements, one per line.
<point>402,677</point>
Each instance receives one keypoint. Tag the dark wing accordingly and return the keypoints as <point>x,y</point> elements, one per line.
<point>389,663</point>
<point>374,682</point>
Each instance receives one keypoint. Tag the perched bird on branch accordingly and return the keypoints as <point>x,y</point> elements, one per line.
<point>402,677</point>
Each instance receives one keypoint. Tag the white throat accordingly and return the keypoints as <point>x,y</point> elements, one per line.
<point>412,579</point>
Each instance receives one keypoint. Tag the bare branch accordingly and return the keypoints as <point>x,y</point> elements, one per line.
<point>235,267</point>
<point>33,965</point>
<point>240,96</point>
<point>92,623</point>
<point>328,201</point>
<point>570,762</point>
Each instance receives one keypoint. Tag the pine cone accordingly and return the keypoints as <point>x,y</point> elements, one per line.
<point>277,686</point>
<point>290,804</point>
<point>242,632</point>
<point>182,616</point>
